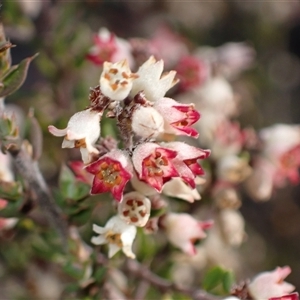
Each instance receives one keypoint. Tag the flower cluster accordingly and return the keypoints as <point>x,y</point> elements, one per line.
<point>135,91</point>
<point>144,116</point>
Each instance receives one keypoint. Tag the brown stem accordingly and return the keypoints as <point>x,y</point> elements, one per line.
<point>29,170</point>
<point>143,272</point>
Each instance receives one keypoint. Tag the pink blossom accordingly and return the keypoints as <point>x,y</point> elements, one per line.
<point>293,296</point>
<point>108,47</point>
<point>153,164</point>
<point>178,117</point>
<point>112,171</point>
<point>281,147</point>
<point>271,284</point>
<point>167,45</point>
<point>182,230</point>
<point>222,136</point>
<point>186,161</point>
<point>192,72</point>
<point>80,172</point>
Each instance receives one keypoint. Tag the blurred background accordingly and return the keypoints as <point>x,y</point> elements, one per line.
<point>58,83</point>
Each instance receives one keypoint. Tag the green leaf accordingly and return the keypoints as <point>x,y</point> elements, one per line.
<point>73,271</point>
<point>228,281</point>
<point>70,187</point>
<point>213,278</point>
<point>8,128</point>
<point>100,274</point>
<point>15,77</point>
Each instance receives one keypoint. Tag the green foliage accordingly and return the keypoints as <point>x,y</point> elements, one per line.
<point>14,77</point>
<point>8,130</point>
<point>218,281</point>
<point>70,187</point>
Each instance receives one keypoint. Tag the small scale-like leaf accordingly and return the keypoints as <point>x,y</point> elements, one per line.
<point>73,270</point>
<point>228,281</point>
<point>70,187</point>
<point>15,77</point>
<point>213,278</point>
<point>100,274</point>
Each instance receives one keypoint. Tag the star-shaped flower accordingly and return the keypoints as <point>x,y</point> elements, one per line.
<point>118,234</point>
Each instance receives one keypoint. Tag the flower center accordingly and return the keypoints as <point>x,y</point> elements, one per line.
<point>133,209</point>
<point>110,174</point>
<point>154,164</point>
<point>80,143</point>
<point>114,238</point>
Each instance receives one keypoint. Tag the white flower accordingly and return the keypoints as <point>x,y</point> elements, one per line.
<point>232,226</point>
<point>280,138</point>
<point>233,169</point>
<point>82,132</point>
<point>118,234</point>
<point>135,209</point>
<point>116,80</point>
<point>151,80</point>
<point>217,95</point>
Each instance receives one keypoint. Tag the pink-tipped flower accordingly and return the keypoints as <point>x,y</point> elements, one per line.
<point>112,171</point>
<point>116,80</point>
<point>271,284</point>
<point>178,117</point>
<point>183,231</point>
<point>152,81</point>
<point>118,234</point>
<point>186,161</point>
<point>82,132</point>
<point>293,296</point>
<point>153,164</point>
<point>108,47</point>
<point>135,209</point>
<point>192,72</point>
<point>167,45</point>
<point>281,146</point>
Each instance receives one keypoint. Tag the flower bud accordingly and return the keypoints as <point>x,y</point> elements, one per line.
<point>271,284</point>
<point>183,230</point>
<point>147,122</point>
